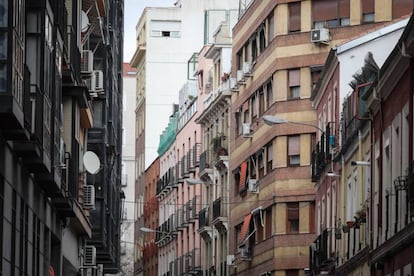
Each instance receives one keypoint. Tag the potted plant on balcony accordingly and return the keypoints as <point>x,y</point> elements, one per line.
<point>217,146</point>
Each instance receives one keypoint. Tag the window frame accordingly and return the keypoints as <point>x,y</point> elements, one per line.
<point>291,155</point>
<point>290,207</point>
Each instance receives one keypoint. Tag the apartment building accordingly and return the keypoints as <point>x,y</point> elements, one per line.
<point>277,59</point>
<point>161,71</point>
<point>215,62</point>
<point>391,189</point>
<point>50,168</point>
<point>342,184</point>
<point>147,243</point>
<point>128,170</point>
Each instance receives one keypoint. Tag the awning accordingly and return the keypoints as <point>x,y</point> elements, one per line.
<point>243,174</point>
<point>245,228</point>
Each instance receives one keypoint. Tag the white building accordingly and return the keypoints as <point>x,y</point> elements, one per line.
<point>128,169</point>
<point>166,38</point>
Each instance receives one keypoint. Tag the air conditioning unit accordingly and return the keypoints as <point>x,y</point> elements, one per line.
<point>89,255</point>
<point>89,271</point>
<point>320,35</point>
<point>240,76</point>
<point>247,69</point>
<point>254,186</point>
<point>244,253</point>
<point>233,85</point>
<point>246,130</point>
<point>87,62</point>
<point>99,83</point>
<point>89,196</point>
<point>231,260</point>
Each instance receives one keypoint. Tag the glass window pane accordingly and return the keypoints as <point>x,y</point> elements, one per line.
<point>3,77</point>
<point>3,45</point>
<point>3,13</point>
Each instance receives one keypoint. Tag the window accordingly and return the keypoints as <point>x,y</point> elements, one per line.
<point>160,28</point>
<point>254,106</point>
<point>262,39</point>
<point>269,157</point>
<point>294,84</point>
<point>294,17</point>
<point>254,48</point>
<point>330,14</point>
<point>271,26</point>
<point>261,102</point>
<point>292,217</point>
<point>241,177</point>
<point>260,162</point>
<point>294,150</point>
<point>269,94</point>
<point>268,223</point>
<point>258,225</point>
<point>368,9</point>
<point>315,73</point>
<point>239,123</point>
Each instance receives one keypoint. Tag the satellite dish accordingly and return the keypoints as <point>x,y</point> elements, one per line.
<point>84,22</point>
<point>91,162</point>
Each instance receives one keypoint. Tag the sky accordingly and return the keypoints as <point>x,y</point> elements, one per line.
<point>133,10</point>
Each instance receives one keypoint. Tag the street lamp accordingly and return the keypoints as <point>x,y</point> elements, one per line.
<point>149,230</point>
<point>271,120</point>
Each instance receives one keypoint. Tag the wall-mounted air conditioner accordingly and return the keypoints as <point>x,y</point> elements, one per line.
<point>244,252</point>
<point>233,85</point>
<point>247,69</point>
<point>240,77</point>
<point>254,186</point>
<point>87,62</point>
<point>89,197</point>
<point>231,260</point>
<point>89,255</point>
<point>246,130</point>
<point>99,83</point>
<point>320,35</point>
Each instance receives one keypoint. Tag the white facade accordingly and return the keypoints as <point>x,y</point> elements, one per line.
<point>128,170</point>
<point>172,35</point>
<point>351,54</point>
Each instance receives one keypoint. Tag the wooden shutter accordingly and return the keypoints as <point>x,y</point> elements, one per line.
<point>294,16</point>
<point>344,9</point>
<point>294,77</point>
<point>323,10</point>
<point>368,6</point>
<point>294,145</point>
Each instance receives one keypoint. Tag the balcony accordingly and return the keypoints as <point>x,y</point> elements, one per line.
<point>35,152</point>
<point>195,156</point>
<point>221,155</point>
<point>204,228</point>
<point>220,215</point>
<point>205,170</point>
<point>192,262</point>
<point>179,217</point>
<point>178,177</point>
<point>165,183</point>
<point>319,261</point>
<point>165,232</point>
<point>16,110</point>
<point>318,161</point>
<point>184,166</point>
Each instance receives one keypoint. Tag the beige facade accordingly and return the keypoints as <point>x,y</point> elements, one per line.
<point>276,63</point>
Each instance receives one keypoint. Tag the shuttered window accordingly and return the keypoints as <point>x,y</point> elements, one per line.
<point>243,175</point>
<point>294,84</point>
<point>294,17</point>
<point>294,150</point>
<point>330,14</point>
<point>292,217</point>
<point>368,9</point>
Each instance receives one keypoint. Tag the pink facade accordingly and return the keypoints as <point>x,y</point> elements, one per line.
<point>179,202</point>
